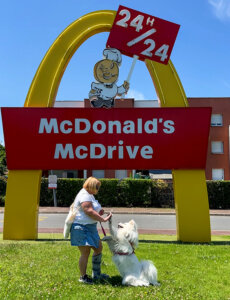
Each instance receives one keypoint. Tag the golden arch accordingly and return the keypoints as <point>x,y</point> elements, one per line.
<point>23,187</point>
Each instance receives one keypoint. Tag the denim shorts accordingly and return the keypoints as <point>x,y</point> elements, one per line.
<point>84,235</point>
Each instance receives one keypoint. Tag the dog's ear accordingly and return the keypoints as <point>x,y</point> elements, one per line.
<point>133,223</point>
<point>127,236</point>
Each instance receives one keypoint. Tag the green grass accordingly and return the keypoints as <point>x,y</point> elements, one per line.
<point>47,269</point>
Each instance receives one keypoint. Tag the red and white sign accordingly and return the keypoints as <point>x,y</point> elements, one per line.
<point>137,33</point>
<point>121,138</point>
<point>52,182</point>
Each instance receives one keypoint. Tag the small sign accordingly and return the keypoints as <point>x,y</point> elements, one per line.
<point>137,33</point>
<point>52,182</point>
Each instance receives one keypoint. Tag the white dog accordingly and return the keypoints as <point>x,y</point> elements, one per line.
<point>122,243</point>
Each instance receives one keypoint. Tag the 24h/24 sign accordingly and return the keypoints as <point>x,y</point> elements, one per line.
<point>148,37</point>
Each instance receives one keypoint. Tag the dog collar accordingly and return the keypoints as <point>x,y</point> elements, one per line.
<point>124,253</point>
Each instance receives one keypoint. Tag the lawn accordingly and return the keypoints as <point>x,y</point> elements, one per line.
<point>47,269</point>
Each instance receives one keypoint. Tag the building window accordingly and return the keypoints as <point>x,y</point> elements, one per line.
<point>70,174</point>
<point>120,174</point>
<point>98,173</point>
<point>217,174</point>
<point>217,147</point>
<point>217,120</point>
<point>65,173</point>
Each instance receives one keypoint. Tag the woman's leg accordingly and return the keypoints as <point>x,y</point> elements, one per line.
<point>97,251</point>
<point>83,260</point>
<point>96,263</point>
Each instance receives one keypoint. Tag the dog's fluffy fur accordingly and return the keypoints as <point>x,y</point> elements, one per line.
<point>122,242</point>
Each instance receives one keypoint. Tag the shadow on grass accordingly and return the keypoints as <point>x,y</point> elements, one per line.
<point>115,281</point>
<point>217,243</point>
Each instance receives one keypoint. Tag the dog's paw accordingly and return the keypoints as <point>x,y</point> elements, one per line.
<point>155,283</point>
<point>106,238</point>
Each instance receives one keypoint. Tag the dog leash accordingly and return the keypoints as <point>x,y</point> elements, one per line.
<point>103,230</point>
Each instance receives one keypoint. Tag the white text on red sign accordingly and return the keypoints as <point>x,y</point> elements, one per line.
<point>99,139</point>
<point>137,33</point>
<point>137,22</point>
<point>97,150</point>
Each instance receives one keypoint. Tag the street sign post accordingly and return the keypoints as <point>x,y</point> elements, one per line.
<point>52,182</point>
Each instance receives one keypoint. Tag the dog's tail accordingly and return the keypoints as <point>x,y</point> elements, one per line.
<point>149,271</point>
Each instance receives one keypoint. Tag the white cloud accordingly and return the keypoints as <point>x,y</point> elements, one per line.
<point>221,9</point>
<point>135,94</point>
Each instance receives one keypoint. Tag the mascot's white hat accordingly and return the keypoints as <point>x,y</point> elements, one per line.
<point>113,54</point>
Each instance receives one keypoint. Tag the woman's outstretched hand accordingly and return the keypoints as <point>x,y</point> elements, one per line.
<point>101,212</point>
<point>108,217</point>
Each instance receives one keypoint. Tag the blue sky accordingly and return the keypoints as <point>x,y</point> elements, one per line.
<point>28,28</point>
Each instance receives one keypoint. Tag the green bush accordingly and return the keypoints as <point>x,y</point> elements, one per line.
<point>108,195</point>
<point>3,165</point>
<point>135,192</point>
<point>132,193</point>
<point>46,195</point>
<point>162,194</point>
<point>126,193</point>
<point>3,182</point>
<point>219,194</point>
<point>67,190</point>
<point>113,192</point>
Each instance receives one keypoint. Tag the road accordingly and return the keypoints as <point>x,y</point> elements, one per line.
<point>144,222</point>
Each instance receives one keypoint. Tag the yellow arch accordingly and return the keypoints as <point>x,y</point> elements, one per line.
<point>23,187</point>
<point>45,84</point>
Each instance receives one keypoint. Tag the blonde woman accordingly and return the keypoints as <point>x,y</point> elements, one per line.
<point>84,232</point>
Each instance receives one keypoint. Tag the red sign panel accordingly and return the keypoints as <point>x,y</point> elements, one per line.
<point>121,138</point>
<point>148,37</point>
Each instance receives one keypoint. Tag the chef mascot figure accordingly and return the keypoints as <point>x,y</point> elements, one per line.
<point>106,72</point>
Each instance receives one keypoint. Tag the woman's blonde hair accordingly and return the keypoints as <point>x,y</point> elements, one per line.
<point>92,184</point>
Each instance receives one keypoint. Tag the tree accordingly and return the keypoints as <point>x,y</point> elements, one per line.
<point>3,165</point>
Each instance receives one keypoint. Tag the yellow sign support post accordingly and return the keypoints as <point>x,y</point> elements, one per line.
<point>23,187</point>
<point>190,190</point>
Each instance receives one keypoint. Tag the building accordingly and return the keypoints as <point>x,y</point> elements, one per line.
<point>218,156</point>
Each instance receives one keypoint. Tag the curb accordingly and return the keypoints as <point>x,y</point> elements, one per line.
<point>141,213</point>
<point>140,231</point>
<point>125,211</point>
